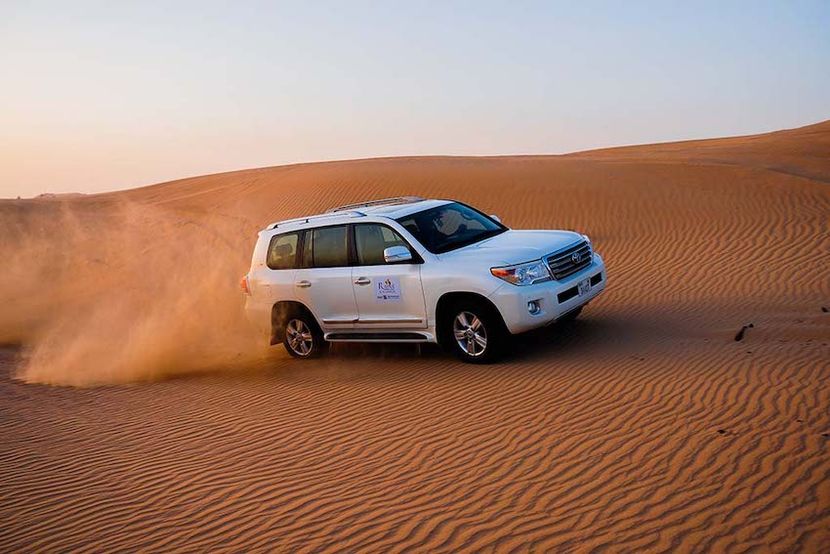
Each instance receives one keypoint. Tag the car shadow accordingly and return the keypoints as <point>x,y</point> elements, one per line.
<point>552,340</point>
<point>561,338</point>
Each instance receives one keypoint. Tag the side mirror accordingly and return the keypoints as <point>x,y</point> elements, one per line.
<point>495,217</point>
<point>397,254</point>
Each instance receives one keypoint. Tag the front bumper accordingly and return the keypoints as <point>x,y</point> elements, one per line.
<point>554,298</point>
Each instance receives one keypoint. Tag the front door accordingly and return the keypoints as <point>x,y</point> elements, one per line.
<point>387,295</point>
<point>324,283</point>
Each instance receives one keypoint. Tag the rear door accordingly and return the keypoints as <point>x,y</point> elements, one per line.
<point>387,295</point>
<point>324,282</point>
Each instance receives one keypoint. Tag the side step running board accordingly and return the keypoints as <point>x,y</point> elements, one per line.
<point>341,336</point>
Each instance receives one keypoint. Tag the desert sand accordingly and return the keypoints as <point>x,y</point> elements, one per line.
<point>138,411</point>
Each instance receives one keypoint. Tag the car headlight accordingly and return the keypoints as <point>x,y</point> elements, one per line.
<point>587,239</point>
<point>523,274</point>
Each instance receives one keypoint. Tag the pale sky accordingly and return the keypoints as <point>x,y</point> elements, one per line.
<point>98,96</point>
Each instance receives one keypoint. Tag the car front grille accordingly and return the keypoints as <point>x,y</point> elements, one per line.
<point>570,260</point>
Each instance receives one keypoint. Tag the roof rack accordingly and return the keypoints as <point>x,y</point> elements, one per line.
<point>379,202</point>
<point>352,213</point>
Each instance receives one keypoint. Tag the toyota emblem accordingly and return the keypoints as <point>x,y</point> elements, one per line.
<point>576,257</point>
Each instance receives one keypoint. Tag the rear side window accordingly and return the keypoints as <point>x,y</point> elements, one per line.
<point>371,240</point>
<point>282,252</point>
<point>330,247</point>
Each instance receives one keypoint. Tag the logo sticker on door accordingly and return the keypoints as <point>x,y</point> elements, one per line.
<point>388,289</point>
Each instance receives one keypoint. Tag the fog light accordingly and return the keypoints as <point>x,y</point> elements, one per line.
<point>533,307</point>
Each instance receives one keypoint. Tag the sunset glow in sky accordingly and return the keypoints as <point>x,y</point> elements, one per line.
<point>99,96</point>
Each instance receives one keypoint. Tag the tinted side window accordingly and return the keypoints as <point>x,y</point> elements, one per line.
<point>282,251</point>
<point>330,246</point>
<point>371,240</point>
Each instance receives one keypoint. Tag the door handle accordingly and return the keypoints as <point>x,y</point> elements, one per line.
<point>303,284</point>
<point>362,281</point>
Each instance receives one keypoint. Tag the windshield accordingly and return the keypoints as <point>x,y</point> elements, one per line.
<point>451,226</point>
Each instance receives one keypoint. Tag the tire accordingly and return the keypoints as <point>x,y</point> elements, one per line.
<point>474,332</point>
<point>570,317</point>
<point>301,335</point>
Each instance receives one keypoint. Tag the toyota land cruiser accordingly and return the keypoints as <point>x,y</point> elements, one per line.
<point>414,270</point>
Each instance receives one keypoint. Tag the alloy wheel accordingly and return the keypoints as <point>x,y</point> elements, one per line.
<point>299,336</point>
<point>470,334</point>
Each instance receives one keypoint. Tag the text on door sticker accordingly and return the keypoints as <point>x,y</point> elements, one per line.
<point>388,289</point>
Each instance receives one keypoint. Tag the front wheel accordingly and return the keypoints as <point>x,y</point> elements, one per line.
<point>302,338</point>
<point>475,333</point>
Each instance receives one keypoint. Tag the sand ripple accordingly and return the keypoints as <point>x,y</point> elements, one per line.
<point>643,427</point>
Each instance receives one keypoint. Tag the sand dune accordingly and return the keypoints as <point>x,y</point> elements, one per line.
<point>644,427</point>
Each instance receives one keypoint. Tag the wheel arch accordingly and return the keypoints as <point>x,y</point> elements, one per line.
<point>450,299</point>
<point>280,312</point>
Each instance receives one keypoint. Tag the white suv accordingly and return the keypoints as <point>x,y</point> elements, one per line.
<point>414,270</point>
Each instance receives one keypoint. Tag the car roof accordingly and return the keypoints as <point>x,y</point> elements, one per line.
<point>394,209</point>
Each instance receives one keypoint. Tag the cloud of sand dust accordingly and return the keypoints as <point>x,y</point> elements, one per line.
<point>106,291</point>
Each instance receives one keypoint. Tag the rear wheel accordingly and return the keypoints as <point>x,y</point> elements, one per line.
<point>301,336</point>
<point>474,332</point>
